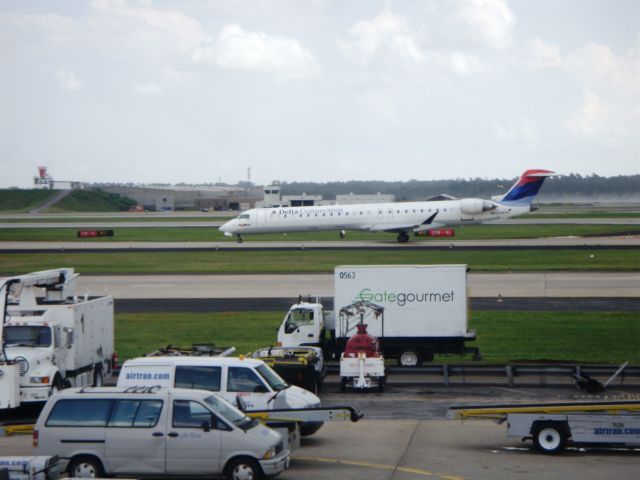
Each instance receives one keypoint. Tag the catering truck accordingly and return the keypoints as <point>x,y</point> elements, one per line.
<point>425,312</point>
<point>51,339</point>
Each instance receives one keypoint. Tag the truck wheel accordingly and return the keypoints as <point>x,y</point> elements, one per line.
<point>98,381</point>
<point>549,437</point>
<point>56,385</point>
<point>409,358</point>
<point>343,384</point>
<point>85,467</point>
<point>243,468</point>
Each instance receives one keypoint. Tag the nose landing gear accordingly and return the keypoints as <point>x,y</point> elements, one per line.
<point>239,238</point>
<point>343,234</point>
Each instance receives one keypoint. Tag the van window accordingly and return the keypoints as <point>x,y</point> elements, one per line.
<point>135,413</point>
<point>201,378</point>
<point>190,414</point>
<point>88,412</point>
<point>242,379</point>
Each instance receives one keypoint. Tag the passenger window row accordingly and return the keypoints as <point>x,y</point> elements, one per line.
<point>105,413</point>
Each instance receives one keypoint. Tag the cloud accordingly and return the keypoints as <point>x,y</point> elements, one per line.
<point>68,80</point>
<point>235,48</point>
<point>486,22</point>
<point>388,37</point>
<point>543,55</point>
<point>149,89</point>
<point>164,25</point>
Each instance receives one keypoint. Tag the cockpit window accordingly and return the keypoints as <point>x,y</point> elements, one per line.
<point>244,215</point>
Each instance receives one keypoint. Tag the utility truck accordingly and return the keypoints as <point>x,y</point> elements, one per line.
<point>425,312</point>
<point>53,340</point>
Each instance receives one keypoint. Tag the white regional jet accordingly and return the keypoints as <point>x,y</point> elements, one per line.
<point>400,218</point>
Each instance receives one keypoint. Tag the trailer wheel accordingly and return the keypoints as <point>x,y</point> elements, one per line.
<point>243,468</point>
<point>549,437</point>
<point>85,467</point>
<point>409,358</point>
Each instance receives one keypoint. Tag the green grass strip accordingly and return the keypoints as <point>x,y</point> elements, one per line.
<point>212,234</point>
<point>245,261</point>
<point>584,337</point>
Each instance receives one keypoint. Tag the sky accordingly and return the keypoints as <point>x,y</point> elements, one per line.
<point>200,91</point>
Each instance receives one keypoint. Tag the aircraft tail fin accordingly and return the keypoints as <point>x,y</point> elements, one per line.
<point>526,188</point>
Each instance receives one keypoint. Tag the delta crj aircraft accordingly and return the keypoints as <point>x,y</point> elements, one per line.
<point>400,217</point>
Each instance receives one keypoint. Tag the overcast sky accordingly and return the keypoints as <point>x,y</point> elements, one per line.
<point>198,91</point>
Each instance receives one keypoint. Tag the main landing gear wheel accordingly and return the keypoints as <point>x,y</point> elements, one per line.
<point>343,234</point>
<point>403,237</point>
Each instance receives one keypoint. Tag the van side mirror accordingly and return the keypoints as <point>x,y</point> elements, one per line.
<point>206,426</point>
<point>260,389</point>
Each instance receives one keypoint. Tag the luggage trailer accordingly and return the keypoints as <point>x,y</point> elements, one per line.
<point>552,425</point>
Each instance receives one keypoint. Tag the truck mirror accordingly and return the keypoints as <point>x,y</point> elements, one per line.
<point>206,426</point>
<point>69,342</point>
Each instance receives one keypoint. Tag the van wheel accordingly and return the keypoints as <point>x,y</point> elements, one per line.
<point>549,437</point>
<point>98,381</point>
<point>243,469</point>
<point>85,467</point>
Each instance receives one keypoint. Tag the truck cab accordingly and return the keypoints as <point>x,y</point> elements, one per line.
<point>38,345</point>
<point>304,324</point>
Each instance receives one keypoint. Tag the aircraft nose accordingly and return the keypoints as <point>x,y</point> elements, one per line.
<point>227,228</point>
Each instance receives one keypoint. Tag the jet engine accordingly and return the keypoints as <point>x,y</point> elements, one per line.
<point>476,205</point>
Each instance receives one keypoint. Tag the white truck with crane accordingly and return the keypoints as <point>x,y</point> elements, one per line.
<point>52,341</point>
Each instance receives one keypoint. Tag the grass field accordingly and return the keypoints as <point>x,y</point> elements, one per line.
<point>212,234</point>
<point>17,201</point>
<point>246,261</point>
<point>585,337</point>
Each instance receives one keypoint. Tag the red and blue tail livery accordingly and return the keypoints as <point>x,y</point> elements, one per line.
<point>526,188</point>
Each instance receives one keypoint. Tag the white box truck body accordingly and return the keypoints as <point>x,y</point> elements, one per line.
<point>425,312</point>
<point>51,342</point>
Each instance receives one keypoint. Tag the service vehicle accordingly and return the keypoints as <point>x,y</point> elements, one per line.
<point>41,467</point>
<point>425,312</point>
<point>50,338</point>
<point>361,363</point>
<point>149,431</point>
<point>552,426</point>
<point>249,379</point>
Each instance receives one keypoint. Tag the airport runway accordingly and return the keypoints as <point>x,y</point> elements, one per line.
<point>215,224</point>
<point>383,243</point>
<point>560,285</point>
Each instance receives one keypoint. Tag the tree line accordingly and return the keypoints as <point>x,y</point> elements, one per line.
<point>567,185</point>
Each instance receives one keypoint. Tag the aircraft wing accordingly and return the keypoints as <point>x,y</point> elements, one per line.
<point>426,225</point>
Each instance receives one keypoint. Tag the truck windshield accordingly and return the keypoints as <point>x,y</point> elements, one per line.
<point>27,336</point>
<point>297,318</point>
<point>229,412</point>
<point>272,378</point>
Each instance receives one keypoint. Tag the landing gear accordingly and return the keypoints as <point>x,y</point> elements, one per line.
<point>343,234</point>
<point>239,238</point>
<point>403,237</point>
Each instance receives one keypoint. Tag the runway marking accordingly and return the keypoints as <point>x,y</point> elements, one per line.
<point>379,466</point>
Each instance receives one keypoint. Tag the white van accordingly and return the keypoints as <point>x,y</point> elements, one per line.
<point>251,380</point>
<point>148,431</point>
